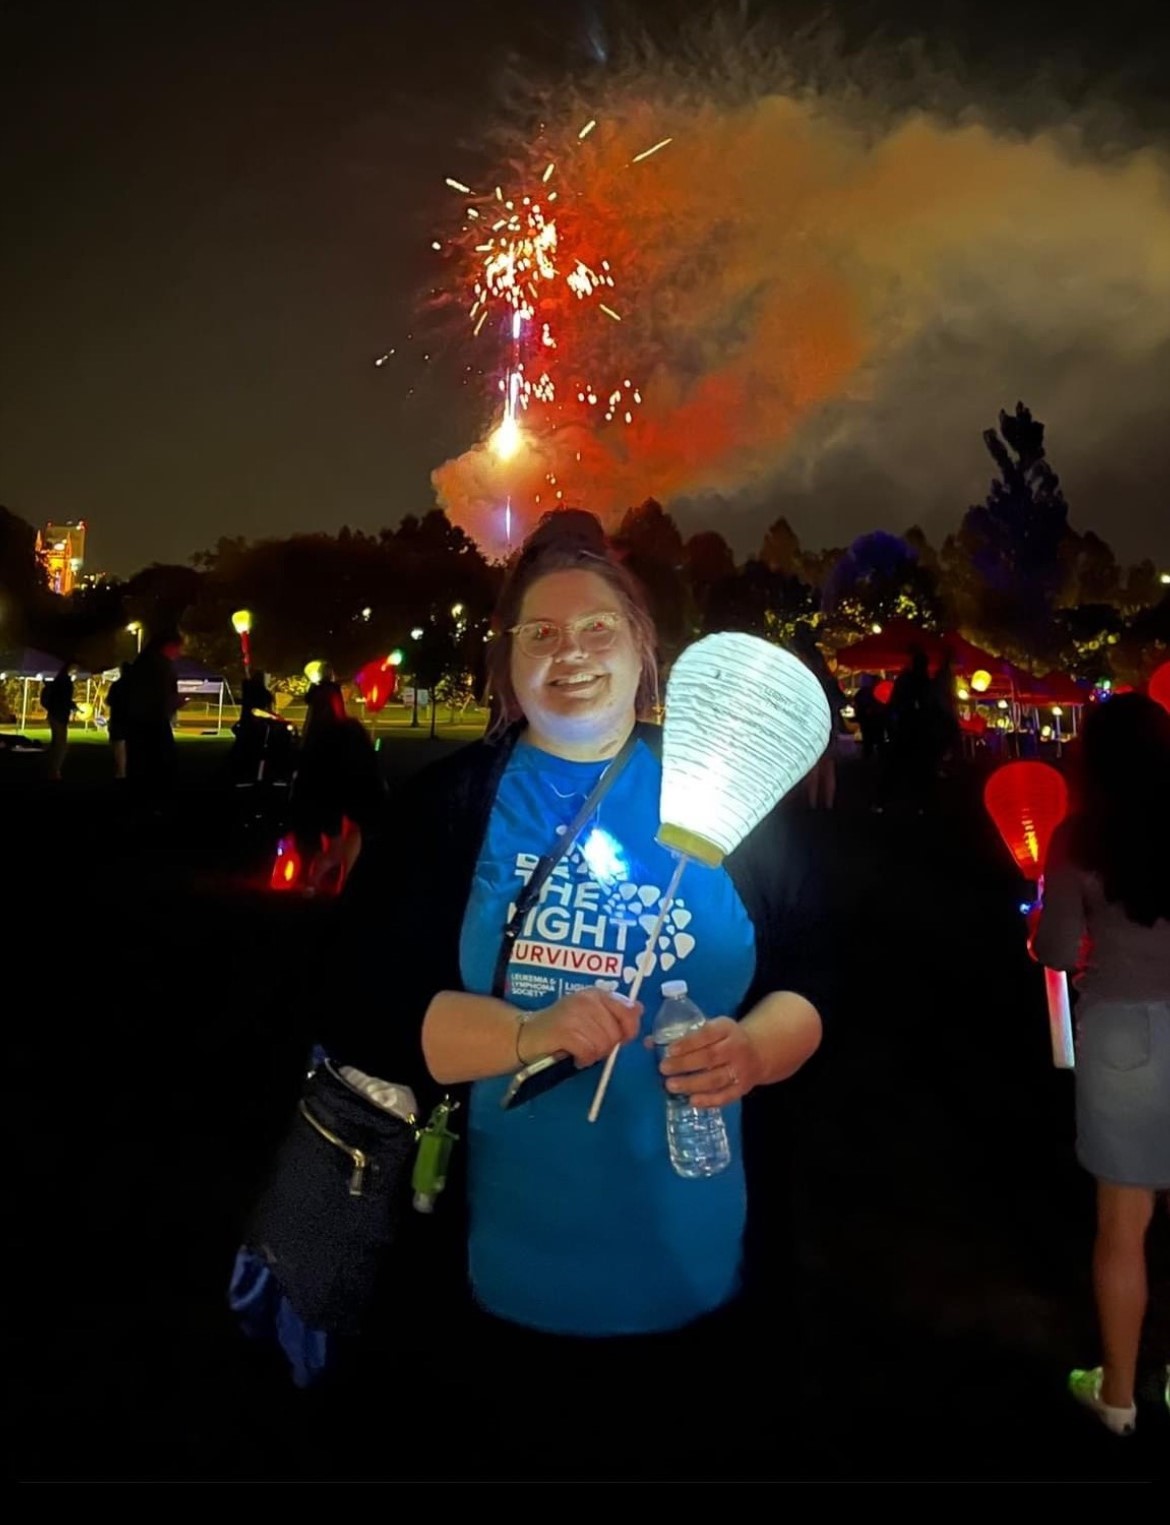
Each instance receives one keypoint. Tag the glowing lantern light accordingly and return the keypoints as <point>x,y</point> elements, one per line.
<point>745,722</point>
<point>883,691</point>
<point>287,869</point>
<point>375,682</point>
<point>242,625</point>
<point>314,671</point>
<point>981,680</point>
<point>395,658</point>
<point>1027,801</point>
<point>1159,687</point>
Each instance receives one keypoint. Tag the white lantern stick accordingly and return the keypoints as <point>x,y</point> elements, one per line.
<point>644,963</point>
<point>1059,1019</point>
<point>745,722</point>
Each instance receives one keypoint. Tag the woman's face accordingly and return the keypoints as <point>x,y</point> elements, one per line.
<point>576,698</point>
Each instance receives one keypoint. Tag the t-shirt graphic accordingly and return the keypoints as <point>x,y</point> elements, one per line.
<point>578,1227</point>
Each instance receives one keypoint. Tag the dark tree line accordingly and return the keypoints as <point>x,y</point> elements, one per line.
<point>1015,577</point>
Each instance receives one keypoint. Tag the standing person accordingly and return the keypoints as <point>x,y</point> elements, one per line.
<point>337,793</point>
<point>324,702</point>
<point>913,731</point>
<point>871,722</point>
<point>594,1267</point>
<point>154,695</point>
<point>117,718</point>
<point>57,701</point>
<point>1106,915</point>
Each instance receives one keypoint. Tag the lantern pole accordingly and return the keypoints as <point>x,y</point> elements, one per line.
<point>643,966</point>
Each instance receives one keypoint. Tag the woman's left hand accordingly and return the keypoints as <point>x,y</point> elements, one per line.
<point>715,1065</point>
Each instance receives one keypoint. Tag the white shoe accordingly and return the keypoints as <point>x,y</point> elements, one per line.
<point>1085,1386</point>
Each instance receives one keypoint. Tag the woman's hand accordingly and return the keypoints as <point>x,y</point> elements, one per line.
<point>714,1065</point>
<point>586,1024</point>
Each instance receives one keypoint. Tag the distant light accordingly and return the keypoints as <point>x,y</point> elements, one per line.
<point>877,629</point>
<point>1165,579</point>
<point>981,680</point>
<point>242,621</point>
<point>366,613</point>
<point>134,627</point>
<point>314,671</point>
<point>416,633</point>
<point>1057,711</point>
<point>1106,684</point>
<point>1046,733</point>
<point>1003,704</point>
<point>964,694</point>
<point>456,611</point>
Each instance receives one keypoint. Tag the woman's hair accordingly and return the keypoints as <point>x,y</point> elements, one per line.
<point>1122,830</point>
<point>566,540</point>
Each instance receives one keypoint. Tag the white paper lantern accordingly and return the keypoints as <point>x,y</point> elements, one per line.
<point>745,722</point>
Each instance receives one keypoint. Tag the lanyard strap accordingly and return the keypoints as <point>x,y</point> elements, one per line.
<point>530,894</point>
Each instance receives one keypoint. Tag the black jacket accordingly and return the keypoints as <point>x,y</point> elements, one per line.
<point>400,919</point>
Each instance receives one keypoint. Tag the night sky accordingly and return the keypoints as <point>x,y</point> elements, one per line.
<point>218,216</point>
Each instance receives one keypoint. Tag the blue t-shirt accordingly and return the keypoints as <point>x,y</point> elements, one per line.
<point>578,1227</point>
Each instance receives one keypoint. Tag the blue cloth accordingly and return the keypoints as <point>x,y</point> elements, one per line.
<point>580,1228</point>
<point>265,1314</point>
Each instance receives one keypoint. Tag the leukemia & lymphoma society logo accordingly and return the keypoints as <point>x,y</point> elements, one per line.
<point>592,923</point>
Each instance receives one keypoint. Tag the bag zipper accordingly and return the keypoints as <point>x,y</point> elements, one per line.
<point>358,1157</point>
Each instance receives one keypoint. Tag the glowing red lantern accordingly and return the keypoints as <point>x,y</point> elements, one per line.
<point>1159,688</point>
<point>1027,801</point>
<point>288,867</point>
<point>883,690</point>
<point>376,682</point>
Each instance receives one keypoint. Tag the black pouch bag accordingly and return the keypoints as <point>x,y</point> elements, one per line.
<point>338,1198</point>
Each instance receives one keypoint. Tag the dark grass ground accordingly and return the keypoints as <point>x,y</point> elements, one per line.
<point>939,1224</point>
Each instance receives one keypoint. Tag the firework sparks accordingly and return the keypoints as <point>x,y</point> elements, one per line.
<point>530,265</point>
<point>646,152</point>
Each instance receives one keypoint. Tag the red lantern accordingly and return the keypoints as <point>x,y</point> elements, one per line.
<point>376,682</point>
<point>1027,801</point>
<point>287,869</point>
<point>883,690</point>
<point>1159,689</point>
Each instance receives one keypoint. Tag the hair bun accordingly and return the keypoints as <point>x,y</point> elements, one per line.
<point>567,529</point>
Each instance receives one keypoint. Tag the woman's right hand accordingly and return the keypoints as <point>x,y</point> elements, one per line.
<point>586,1024</point>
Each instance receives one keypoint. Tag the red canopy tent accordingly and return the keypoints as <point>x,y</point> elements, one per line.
<point>890,649</point>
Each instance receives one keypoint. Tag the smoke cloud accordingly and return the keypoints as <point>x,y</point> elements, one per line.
<point>824,302</point>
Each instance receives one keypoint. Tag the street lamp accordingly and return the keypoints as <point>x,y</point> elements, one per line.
<point>135,629</point>
<point>242,625</point>
<point>415,635</point>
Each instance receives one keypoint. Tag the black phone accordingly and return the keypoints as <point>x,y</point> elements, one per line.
<point>537,1078</point>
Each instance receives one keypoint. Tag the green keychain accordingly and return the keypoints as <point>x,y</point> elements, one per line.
<point>435,1143</point>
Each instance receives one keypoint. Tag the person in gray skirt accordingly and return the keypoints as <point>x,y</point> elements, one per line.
<point>1106,916</point>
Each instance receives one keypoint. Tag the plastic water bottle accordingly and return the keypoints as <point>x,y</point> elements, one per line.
<point>697,1136</point>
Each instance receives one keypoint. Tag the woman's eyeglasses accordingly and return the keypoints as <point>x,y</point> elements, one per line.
<point>594,633</point>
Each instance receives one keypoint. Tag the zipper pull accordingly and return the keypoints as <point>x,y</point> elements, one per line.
<point>360,1163</point>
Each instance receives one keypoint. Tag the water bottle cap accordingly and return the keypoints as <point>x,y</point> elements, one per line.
<point>673,989</point>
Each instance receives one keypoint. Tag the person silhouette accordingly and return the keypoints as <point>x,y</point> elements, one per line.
<point>57,701</point>
<point>1106,916</point>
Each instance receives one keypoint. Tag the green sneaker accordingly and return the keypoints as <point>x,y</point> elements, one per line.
<point>1085,1386</point>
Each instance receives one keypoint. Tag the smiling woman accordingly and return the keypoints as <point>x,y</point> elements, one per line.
<point>583,1244</point>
